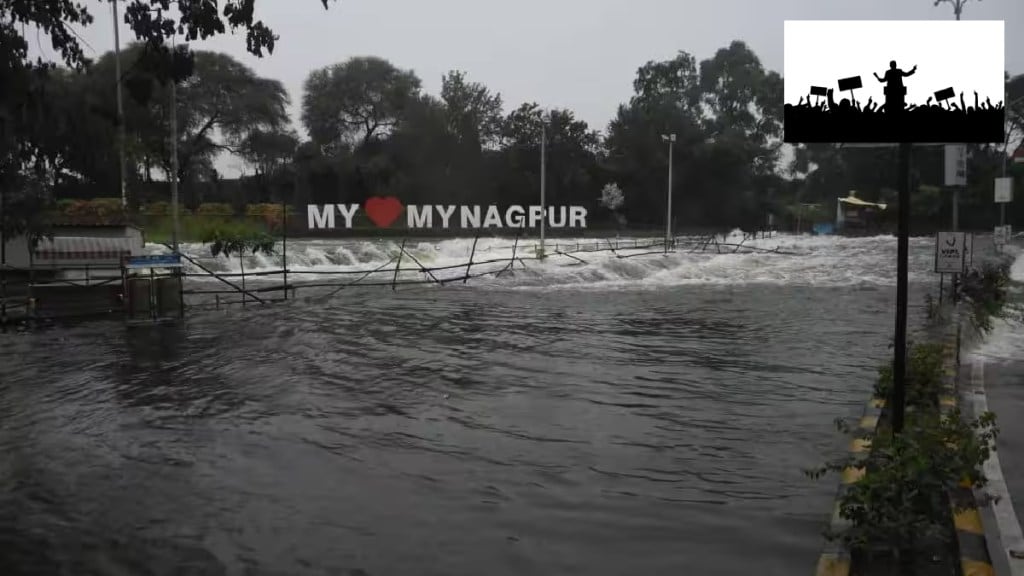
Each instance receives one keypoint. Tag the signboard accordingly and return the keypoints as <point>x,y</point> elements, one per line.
<point>1004,190</point>
<point>950,252</point>
<point>898,91</point>
<point>956,165</point>
<point>386,211</point>
<point>153,261</point>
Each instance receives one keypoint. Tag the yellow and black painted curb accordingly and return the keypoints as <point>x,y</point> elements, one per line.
<point>835,558</point>
<point>970,533</point>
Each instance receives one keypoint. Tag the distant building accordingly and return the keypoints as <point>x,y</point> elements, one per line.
<point>76,245</point>
<point>854,215</point>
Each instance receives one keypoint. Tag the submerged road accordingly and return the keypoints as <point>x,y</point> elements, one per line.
<point>635,417</point>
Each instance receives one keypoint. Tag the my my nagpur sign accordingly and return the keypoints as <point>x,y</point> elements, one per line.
<point>384,212</point>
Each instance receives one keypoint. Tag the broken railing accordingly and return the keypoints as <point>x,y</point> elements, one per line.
<point>389,273</point>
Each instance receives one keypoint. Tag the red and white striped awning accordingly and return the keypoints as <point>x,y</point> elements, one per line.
<point>80,249</point>
<point>1018,155</point>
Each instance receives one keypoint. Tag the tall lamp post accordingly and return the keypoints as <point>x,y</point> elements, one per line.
<point>120,108</point>
<point>174,155</point>
<point>543,178</point>
<point>671,139</point>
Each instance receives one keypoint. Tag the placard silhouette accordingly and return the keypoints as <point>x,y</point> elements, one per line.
<point>895,120</point>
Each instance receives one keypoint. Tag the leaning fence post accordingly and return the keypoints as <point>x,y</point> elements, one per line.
<point>241,262</point>
<point>398,265</point>
<point>471,254</point>
<point>515,246</point>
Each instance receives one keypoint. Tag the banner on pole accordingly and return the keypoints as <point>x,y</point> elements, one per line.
<point>1004,190</point>
<point>956,165</point>
<point>950,252</point>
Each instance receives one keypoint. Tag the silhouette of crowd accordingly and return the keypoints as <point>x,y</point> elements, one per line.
<point>817,119</point>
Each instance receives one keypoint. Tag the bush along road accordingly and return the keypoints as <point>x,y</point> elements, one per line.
<point>906,503</point>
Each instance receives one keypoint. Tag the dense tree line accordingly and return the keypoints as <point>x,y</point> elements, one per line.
<point>372,130</point>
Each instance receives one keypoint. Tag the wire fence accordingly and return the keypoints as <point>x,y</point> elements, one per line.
<point>18,298</point>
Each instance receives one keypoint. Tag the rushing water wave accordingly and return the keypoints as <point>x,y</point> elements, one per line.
<point>651,419</point>
<point>804,260</point>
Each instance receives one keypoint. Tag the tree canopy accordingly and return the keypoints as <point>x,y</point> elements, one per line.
<point>371,129</point>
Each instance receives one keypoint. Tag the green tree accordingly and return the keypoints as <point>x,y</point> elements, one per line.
<point>356,101</point>
<point>25,126</point>
<point>473,114</point>
<point>222,97</point>
<point>268,151</point>
<point>572,149</point>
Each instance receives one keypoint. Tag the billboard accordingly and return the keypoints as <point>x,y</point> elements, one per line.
<point>894,81</point>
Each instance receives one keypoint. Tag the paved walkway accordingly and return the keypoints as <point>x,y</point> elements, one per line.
<point>998,385</point>
<point>992,378</point>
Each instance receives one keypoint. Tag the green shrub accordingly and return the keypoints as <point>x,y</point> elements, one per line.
<point>272,215</point>
<point>158,209</point>
<point>95,210</point>
<point>985,292</point>
<point>903,498</point>
<point>212,209</point>
<point>923,377</point>
<point>232,238</point>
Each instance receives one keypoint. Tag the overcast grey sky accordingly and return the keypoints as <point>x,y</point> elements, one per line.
<point>577,54</point>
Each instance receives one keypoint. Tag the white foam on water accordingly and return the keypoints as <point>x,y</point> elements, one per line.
<point>820,261</point>
<point>1006,340</point>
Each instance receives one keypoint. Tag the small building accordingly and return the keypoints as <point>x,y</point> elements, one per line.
<point>854,215</point>
<point>75,245</point>
<point>76,271</point>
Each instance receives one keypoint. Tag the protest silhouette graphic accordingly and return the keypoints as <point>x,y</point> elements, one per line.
<point>895,91</point>
<point>939,119</point>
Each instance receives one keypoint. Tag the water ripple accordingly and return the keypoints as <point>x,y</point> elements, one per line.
<point>458,431</point>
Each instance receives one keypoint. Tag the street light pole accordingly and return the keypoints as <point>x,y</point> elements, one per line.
<point>543,179</point>
<point>902,252</point>
<point>174,156</point>
<point>671,139</point>
<point>120,108</point>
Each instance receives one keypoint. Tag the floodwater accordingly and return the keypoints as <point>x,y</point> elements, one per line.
<point>649,415</point>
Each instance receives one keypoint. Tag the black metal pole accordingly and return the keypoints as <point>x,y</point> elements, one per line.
<point>899,362</point>
<point>473,253</point>
<point>284,243</point>
<point>3,257</point>
<point>398,265</point>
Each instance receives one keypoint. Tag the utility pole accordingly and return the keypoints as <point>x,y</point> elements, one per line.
<point>174,156</point>
<point>902,252</point>
<point>671,139</point>
<point>3,257</point>
<point>120,109</point>
<point>543,179</point>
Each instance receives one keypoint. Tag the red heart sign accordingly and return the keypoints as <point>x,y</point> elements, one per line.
<point>383,211</point>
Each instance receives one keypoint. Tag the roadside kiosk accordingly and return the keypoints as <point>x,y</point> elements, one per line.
<point>153,297</point>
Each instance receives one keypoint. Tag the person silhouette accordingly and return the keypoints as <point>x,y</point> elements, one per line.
<point>895,91</point>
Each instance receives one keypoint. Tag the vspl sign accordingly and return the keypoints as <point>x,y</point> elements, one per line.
<point>950,252</point>
<point>383,212</point>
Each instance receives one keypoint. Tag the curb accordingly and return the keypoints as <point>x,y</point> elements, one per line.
<point>972,545</point>
<point>835,558</point>
<point>970,532</point>
<point>1004,526</point>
